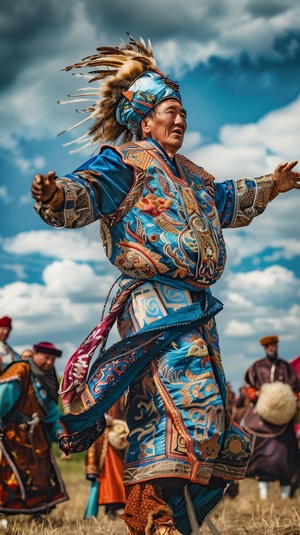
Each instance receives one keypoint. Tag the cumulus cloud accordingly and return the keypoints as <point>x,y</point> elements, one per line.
<point>60,310</point>
<point>275,284</point>
<point>77,281</point>
<point>273,231</point>
<point>256,304</point>
<point>32,81</point>
<point>212,29</point>
<point>253,149</point>
<point>59,243</point>
<point>261,301</point>
<point>277,133</point>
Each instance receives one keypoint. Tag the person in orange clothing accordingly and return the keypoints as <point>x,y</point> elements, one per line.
<point>105,465</point>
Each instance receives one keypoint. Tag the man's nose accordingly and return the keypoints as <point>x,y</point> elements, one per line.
<point>180,119</point>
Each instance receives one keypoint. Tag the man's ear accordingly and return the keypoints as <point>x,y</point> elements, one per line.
<point>145,126</point>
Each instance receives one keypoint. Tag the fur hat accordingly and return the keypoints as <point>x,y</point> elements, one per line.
<point>6,322</point>
<point>129,86</point>
<point>276,403</point>
<point>47,348</point>
<point>117,434</point>
<point>271,339</point>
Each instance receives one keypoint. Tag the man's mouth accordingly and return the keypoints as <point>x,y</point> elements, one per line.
<point>178,132</point>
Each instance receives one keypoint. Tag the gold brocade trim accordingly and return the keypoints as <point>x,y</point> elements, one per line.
<point>77,210</point>
<point>172,468</point>
<point>252,200</point>
<point>130,200</point>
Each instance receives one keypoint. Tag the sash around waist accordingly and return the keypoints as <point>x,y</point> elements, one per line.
<point>115,368</point>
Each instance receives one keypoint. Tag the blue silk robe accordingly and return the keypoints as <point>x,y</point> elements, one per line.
<point>161,225</point>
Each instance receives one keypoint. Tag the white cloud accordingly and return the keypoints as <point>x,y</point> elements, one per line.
<point>63,310</point>
<point>234,30</point>
<point>256,304</point>
<point>62,279</point>
<point>238,328</point>
<point>275,284</point>
<point>28,166</point>
<point>253,149</point>
<point>273,230</point>
<point>226,32</point>
<point>277,132</point>
<point>56,243</point>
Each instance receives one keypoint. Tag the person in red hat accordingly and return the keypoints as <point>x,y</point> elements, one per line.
<point>273,387</point>
<point>30,481</point>
<point>7,353</point>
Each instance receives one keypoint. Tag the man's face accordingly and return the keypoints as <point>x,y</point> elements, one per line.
<point>166,125</point>
<point>44,361</point>
<point>4,333</point>
<point>271,351</point>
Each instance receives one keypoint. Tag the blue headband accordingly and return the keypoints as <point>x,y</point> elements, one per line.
<point>141,97</point>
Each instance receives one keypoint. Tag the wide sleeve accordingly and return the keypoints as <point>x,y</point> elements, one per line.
<point>96,188</point>
<point>238,202</point>
<point>9,395</point>
<point>51,421</point>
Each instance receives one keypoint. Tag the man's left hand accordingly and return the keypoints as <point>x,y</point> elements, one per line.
<point>284,178</point>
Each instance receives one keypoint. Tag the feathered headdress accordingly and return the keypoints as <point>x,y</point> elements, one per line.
<point>130,85</point>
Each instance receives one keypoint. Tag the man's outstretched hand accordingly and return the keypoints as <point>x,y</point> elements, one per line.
<point>43,187</point>
<point>285,179</point>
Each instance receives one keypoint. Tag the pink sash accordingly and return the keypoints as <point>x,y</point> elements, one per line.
<point>77,367</point>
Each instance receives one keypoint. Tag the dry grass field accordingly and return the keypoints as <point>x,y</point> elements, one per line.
<point>244,515</point>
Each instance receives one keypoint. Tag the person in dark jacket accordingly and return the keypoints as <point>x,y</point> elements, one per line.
<point>273,388</point>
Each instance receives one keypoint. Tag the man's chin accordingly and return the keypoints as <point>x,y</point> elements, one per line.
<point>178,142</point>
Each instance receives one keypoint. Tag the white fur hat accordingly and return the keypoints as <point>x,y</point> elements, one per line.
<point>276,403</point>
<point>117,434</point>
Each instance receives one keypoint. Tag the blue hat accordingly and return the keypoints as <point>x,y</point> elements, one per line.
<point>142,96</point>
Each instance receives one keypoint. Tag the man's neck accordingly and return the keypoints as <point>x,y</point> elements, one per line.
<point>170,162</point>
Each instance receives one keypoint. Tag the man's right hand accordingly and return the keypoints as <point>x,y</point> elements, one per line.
<point>43,187</point>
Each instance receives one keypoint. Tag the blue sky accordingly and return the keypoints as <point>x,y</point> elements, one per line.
<point>237,64</point>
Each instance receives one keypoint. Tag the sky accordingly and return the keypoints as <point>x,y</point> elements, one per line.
<point>237,64</point>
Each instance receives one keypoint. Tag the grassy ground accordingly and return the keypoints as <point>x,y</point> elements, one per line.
<point>244,515</point>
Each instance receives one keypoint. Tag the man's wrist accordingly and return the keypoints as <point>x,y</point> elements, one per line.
<point>48,201</point>
<point>56,201</point>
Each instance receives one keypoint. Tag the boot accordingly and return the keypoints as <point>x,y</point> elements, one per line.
<point>263,489</point>
<point>285,491</point>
